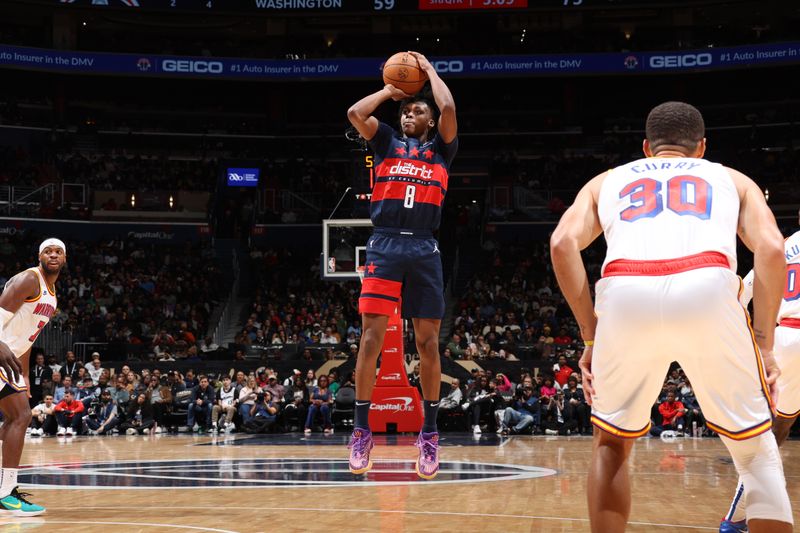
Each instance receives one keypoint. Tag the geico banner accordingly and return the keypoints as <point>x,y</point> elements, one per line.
<point>369,68</point>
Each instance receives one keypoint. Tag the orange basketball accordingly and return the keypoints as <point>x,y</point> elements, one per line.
<point>402,70</point>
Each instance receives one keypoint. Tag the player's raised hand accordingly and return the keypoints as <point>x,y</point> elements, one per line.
<point>9,362</point>
<point>424,64</point>
<point>585,364</point>
<point>396,93</point>
<point>773,372</point>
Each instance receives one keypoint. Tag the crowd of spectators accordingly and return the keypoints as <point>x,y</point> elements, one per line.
<point>120,172</point>
<point>511,309</point>
<point>294,306</point>
<point>676,410</point>
<point>137,297</point>
<point>107,170</point>
<point>72,398</point>
<point>549,402</point>
<point>69,398</point>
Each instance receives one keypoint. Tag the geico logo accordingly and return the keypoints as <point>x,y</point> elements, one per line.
<point>394,376</point>
<point>235,177</point>
<point>410,169</point>
<point>187,65</point>
<point>390,350</point>
<point>682,60</point>
<point>448,66</point>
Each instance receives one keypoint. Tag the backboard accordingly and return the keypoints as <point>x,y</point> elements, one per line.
<point>344,247</point>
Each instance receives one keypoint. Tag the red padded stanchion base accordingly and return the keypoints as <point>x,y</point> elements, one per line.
<point>396,405</point>
<point>392,372</point>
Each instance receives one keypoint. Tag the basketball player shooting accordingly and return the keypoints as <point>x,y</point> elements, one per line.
<point>787,356</point>
<point>670,291</point>
<point>26,305</point>
<point>403,258</point>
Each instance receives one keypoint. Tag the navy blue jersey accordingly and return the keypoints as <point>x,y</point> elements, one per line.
<point>410,180</point>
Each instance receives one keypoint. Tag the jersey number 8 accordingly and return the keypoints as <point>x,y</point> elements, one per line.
<point>408,201</point>
<point>686,195</point>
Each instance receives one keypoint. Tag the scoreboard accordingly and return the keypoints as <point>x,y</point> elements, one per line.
<point>321,6</point>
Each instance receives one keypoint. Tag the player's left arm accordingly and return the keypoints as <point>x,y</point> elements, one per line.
<point>447,126</point>
<point>577,229</point>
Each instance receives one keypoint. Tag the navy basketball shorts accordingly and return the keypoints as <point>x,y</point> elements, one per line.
<point>402,264</point>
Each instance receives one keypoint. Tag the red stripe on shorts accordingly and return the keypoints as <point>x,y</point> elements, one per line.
<point>377,306</point>
<point>382,286</point>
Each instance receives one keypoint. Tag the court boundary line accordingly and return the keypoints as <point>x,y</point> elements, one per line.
<point>146,524</point>
<point>524,472</point>
<point>397,511</point>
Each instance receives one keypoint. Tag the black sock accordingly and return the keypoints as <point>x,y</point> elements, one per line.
<point>362,414</point>
<point>431,410</point>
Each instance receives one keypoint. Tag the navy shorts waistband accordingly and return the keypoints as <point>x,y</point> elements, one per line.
<point>403,232</point>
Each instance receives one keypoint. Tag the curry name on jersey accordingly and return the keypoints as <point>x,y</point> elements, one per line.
<point>667,208</point>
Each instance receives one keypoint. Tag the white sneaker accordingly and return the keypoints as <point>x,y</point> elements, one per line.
<point>159,430</point>
<point>550,432</point>
<point>61,431</point>
<point>146,431</point>
<point>307,431</point>
<point>500,430</point>
<point>29,430</point>
<point>131,431</point>
<point>230,428</point>
<point>212,429</point>
<point>92,432</point>
<point>476,430</point>
<point>328,431</point>
<point>70,432</point>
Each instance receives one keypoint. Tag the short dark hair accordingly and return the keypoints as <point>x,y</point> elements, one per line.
<point>675,124</point>
<point>422,99</point>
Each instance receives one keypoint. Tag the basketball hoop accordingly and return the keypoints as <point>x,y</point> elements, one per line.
<point>361,270</point>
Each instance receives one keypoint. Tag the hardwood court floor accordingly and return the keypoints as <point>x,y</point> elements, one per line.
<point>289,483</point>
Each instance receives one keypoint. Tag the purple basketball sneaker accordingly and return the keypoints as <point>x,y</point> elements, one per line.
<point>360,446</point>
<point>428,462</point>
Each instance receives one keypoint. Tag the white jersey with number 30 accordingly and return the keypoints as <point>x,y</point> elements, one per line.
<point>21,331</point>
<point>667,208</point>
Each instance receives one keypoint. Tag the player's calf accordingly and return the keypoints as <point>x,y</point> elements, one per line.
<point>759,465</point>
